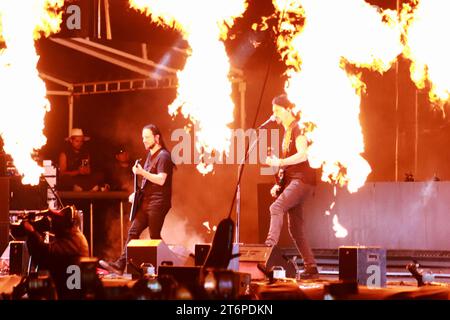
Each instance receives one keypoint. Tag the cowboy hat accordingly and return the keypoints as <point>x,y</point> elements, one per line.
<point>77,132</point>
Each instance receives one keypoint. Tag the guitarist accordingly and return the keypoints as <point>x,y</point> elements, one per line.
<point>296,184</point>
<point>155,190</point>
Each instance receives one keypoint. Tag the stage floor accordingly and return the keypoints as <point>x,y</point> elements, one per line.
<point>397,288</point>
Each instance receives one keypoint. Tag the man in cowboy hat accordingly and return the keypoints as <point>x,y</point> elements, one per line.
<point>75,165</point>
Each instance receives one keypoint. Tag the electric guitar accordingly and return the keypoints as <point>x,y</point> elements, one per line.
<point>280,179</point>
<point>137,195</point>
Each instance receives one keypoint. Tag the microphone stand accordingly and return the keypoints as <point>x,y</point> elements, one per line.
<point>54,192</point>
<point>237,193</point>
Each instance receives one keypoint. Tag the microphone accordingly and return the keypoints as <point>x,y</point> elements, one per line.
<point>272,118</point>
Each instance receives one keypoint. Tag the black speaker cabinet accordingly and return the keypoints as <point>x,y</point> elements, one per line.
<point>149,251</point>
<point>201,252</point>
<point>4,213</point>
<point>18,258</point>
<point>249,257</point>
<point>26,197</point>
<point>252,254</point>
<point>364,265</point>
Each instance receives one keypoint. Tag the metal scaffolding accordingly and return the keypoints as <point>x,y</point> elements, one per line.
<point>157,76</point>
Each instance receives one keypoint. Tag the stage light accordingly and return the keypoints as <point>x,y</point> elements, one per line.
<point>221,284</point>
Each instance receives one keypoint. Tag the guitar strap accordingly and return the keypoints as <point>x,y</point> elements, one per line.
<point>149,163</point>
<point>286,142</point>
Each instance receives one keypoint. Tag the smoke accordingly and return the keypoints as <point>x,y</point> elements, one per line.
<point>425,197</point>
<point>112,247</point>
<point>428,192</point>
<point>178,231</point>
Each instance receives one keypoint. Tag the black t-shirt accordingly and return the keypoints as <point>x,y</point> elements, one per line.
<point>75,159</point>
<point>159,162</point>
<point>301,170</point>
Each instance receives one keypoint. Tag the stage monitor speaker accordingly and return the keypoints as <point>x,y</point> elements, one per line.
<point>264,202</point>
<point>149,251</point>
<point>253,254</point>
<point>364,265</point>
<point>18,258</point>
<point>4,213</point>
<point>249,257</point>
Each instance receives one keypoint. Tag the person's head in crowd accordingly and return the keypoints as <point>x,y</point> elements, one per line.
<point>64,220</point>
<point>122,156</point>
<point>77,138</point>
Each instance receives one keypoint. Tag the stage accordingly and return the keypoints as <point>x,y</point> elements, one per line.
<point>397,288</point>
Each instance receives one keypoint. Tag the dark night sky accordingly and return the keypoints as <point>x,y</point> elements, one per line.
<point>118,118</point>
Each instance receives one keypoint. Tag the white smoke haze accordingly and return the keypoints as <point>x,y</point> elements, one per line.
<point>112,249</point>
<point>427,194</point>
<point>177,231</point>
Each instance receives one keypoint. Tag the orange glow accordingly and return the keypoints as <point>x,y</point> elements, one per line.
<point>427,30</point>
<point>334,35</point>
<point>204,88</point>
<point>23,93</point>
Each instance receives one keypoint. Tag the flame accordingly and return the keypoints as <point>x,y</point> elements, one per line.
<point>427,27</point>
<point>334,35</point>
<point>23,93</point>
<point>332,205</point>
<point>204,89</point>
<point>340,231</point>
<point>206,224</point>
<point>204,168</point>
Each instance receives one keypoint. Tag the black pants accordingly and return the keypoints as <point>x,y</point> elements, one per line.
<point>151,214</point>
<point>290,202</point>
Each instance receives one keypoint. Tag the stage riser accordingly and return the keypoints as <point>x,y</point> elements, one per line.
<point>405,215</point>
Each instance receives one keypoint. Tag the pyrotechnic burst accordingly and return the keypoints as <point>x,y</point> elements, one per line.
<point>22,92</point>
<point>204,87</point>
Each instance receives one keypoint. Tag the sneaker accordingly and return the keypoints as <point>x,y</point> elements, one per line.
<point>112,267</point>
<point>310,273</point>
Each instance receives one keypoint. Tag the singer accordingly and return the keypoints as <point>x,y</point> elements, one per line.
<point>295,182</point>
